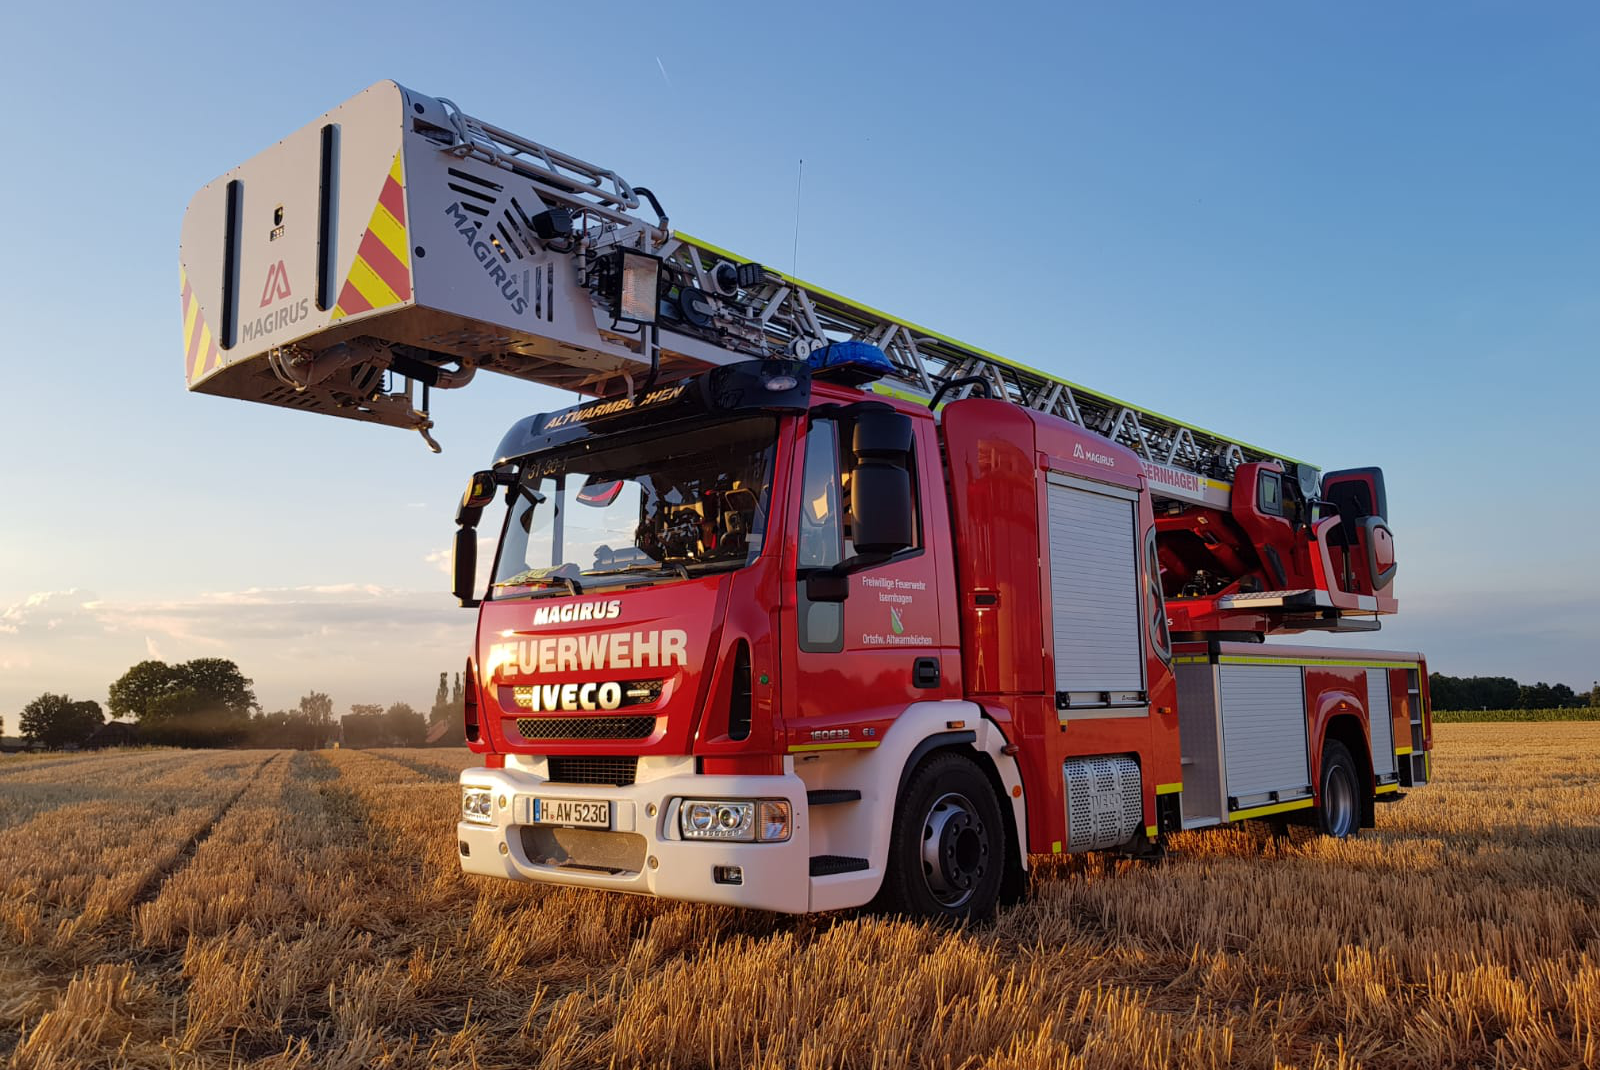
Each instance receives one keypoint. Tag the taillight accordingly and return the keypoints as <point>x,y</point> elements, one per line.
<point>469,708</point>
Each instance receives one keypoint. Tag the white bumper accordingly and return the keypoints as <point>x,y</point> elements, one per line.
<point>643,851</point>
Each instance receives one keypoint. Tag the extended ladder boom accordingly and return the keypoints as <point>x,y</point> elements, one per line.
<point>398,245</point>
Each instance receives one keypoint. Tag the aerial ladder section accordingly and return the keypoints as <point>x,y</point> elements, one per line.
<point>397,246</point>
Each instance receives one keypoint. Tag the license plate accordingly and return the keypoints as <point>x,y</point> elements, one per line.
<point>581,812</point>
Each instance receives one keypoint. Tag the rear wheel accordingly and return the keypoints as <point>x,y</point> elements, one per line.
<point>1339,814</point>
<point>947,852</point>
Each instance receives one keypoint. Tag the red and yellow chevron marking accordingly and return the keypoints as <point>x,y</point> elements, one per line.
<point>200,352</point>
<point>381,274</point>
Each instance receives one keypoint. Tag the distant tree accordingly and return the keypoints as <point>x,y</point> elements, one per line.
<point>57,721</point>
<point>1594,694</point>
<point>1564,696</point>
<point>317,709</point>
<point>404,726</point>
<point>448,706</point>
<point>1535,696</point>
<point>317,706</point>
<point>1473,692</point>
<point>191,718</point>
<point>284,728</point>
<point>441,700</point>
<point>201,703</point>
<point>363,725</point>
<point>141,685</point>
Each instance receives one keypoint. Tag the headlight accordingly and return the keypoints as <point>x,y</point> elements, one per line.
<point>477,804</point>
<point>738,820</point>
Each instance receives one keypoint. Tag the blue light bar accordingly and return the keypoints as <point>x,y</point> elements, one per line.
<point>854,363</point>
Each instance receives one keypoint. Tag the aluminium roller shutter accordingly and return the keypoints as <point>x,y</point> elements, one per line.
<point>1380,726</point>
<point>1094,589</point>
<point>1264,730</point>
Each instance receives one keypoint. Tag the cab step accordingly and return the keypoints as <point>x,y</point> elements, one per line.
<point>828,796</point>
<point>827,865</point>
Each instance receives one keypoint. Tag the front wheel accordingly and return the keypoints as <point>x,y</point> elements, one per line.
<point>1339,814</point>
<point>947,852</point>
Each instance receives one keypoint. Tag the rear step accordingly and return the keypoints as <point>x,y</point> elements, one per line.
<point>827,865</point>
<point>825,796</point>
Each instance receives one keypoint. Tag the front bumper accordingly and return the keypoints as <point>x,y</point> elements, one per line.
<point>643,852</point>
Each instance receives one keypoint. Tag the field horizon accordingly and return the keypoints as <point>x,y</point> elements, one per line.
<point>305,909</point>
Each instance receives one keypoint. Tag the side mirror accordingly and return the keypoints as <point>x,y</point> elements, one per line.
<point>480,493</point>
<point>826,585</point>
<point>464,566</point>
<point>880,482</point>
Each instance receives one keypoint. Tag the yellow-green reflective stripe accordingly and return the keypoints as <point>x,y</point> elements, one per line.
<point>1276,808</point>
<point>1190,660</point>
<point>847,745</point>
<point>1168,789</point>
<point>1381,788</point>
<point>1402,750</point>
<point>928,332</point>
<point>1311,662</point>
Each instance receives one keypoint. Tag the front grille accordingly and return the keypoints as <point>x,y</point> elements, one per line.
<point>586,727</point>
<point>616,771</point>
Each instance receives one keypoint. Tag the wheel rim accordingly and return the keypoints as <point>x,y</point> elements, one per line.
<point>955,849</point>
<point>1339,801</point>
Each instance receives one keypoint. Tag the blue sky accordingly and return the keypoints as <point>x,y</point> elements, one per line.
<point>1355,233</point>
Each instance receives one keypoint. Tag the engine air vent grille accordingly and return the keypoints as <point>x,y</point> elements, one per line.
<point>586,727</point>
<point>618,771</point>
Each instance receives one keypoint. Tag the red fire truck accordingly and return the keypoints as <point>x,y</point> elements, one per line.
<point>806,606</point>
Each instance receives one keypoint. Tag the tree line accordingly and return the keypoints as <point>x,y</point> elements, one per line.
<point>209,702</point>
<point>1504,693</point>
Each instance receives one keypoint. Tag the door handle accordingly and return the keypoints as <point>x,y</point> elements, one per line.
<point>925,673</point>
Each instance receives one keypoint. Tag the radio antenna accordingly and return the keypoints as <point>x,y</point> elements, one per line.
<point>794,260</point>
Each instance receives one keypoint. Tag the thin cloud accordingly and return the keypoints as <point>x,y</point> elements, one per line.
<point>359,638</point>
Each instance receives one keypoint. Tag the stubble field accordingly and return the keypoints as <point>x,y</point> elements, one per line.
<point>282,909</point>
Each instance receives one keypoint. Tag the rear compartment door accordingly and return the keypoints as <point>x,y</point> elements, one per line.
<point>1264,734</point>
<point>1380,723</point>
<point>1095,594</point>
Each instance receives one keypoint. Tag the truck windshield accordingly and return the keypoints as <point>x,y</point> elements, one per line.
<point>658,508</point>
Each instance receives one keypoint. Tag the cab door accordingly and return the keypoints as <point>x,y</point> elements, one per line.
<point>857,663</point>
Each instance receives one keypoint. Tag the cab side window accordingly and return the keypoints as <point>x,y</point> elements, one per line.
<point>825,530</point>
<point>821,501</point>
<point>822,527</point>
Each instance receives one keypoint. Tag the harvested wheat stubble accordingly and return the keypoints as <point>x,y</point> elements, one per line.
<point>47,786</point>
<point>441,764</point>
<point>322,921</point>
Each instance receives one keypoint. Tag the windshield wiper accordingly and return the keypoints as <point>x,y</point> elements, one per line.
<point>539,577</point>
<point>676,567</point>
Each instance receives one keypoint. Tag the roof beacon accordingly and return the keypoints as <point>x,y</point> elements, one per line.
<point>853,363</point>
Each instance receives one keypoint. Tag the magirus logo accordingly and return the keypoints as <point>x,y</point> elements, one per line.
<point>578,611</point>
<point>1081,454</point>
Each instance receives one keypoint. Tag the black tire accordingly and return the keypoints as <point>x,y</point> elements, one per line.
<point>1339,811</point>
<point>948,850</point>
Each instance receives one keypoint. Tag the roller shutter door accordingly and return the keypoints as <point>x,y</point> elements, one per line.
<point>1264,730</point>
<point>1380,726</point>
<point>1095,594</point>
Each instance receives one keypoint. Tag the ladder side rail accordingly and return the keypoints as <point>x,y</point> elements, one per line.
<point>562,170</point>
<point>1151,435</point>
<point>784,313</point>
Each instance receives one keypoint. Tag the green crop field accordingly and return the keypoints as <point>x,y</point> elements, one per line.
<point>284,909</point>
<point>1571,713</point>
